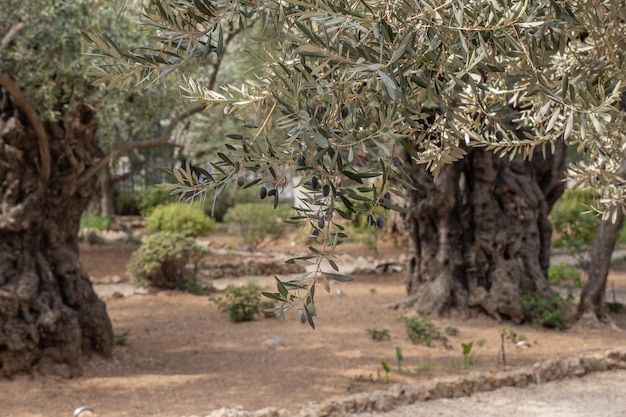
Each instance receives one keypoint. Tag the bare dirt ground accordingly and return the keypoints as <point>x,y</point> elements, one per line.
<point>181,356</point>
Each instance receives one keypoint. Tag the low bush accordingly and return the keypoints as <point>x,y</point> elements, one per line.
<point>93,221</point>
<point>256,222</point>
<point>547,311</point>
<point>153,197</point>
<point>574,226</point>
<point>423,331</point>
<point>180,218</point>
<point>125,203</point>
<point>379,335</point>
<point>241,303</point>
<point>161,261</point>
<point>565,274</point>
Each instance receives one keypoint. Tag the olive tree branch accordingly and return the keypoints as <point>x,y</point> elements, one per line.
<point>162,140</point>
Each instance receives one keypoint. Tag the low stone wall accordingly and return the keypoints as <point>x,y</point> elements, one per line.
<point>405,394</point>
<point>232,268</point>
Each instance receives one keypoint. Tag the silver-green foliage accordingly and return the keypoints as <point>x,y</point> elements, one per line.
<point>162,261</point>
<point>351,86</point>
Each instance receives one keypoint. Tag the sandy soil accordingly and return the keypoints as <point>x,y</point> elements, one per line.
<point>183,357</point>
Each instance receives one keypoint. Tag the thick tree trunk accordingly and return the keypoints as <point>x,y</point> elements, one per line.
<point>49,313</point>
<point>591,309</point>
<point>107,187</point>
<point>479,235</point>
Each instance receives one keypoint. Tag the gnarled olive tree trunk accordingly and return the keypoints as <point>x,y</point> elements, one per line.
<point>479,234</point>
<point>49,313</point>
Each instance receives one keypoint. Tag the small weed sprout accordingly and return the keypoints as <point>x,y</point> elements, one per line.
<point>467,354</point>
<point>400,358</point>
<point>451,331</point>
<point>379,335</point>
<point>387,369</point>
<point>121,339</point>
<point>426,366</point>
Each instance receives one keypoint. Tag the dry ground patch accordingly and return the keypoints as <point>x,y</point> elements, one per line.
<point>183,357</point>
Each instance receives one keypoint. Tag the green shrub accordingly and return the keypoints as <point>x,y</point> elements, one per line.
<point>180,218</point>
<point>148,199</point>
<point>564,274</point>
<point>255,222</point>
<point>379,334</point>
<point>423,331</point>
<point>241,303</point>
<point>125,203</point>
<point>92,237</point>
<point>229,198</point>
<point>94,221</point>
<point>548,311</point>
<point>574,227</point>
<point>161,261</point>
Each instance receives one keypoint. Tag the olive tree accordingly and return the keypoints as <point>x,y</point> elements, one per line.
<point>464,108</point>
<point>50,158</point>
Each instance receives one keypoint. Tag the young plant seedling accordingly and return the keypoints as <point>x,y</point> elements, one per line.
<point>400,358</point>
<point>467,352</point>
<point>387,369</point>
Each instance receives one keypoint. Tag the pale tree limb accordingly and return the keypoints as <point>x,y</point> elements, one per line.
<point>31,114</point>
<point>162,140</point>
<point>10,34</point>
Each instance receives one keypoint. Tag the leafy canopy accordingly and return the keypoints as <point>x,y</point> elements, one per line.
<point>363,89</point>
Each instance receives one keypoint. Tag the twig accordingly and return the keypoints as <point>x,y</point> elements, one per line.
<point>10,34</point>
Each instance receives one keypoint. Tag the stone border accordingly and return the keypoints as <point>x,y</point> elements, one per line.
<point>406,394</point>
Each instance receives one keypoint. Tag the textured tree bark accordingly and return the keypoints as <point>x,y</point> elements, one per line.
<point>479,235</point>
<point>49,313</point>
<point>591,309</point>
<point>107,186</point>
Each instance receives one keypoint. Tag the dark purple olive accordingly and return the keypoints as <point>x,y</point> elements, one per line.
<point>396,161</point>
<point>315,233</point>
<point>380,223</point>
<point>262,193</point>
<point>345,111</point>
<point>303,318</point>
<point>499,136</point>
<point>321,109</point>
<point>315,183</point>
<point>326,190</point>
<point>321,223</point>
<point>301,161</point>
<point>241,181</point>
<point>271,192</point>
